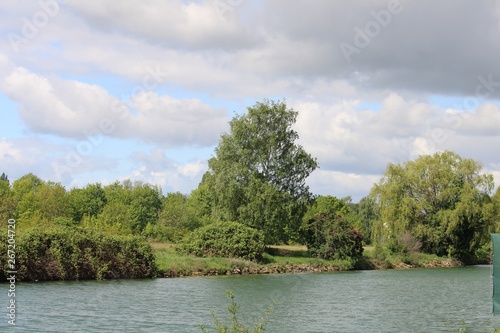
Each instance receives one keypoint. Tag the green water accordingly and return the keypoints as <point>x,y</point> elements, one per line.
<point>419,300</point>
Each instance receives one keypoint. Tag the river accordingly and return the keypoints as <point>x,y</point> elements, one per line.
<point>415,300</point>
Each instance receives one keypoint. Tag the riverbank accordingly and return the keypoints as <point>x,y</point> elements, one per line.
<point>287,259</point>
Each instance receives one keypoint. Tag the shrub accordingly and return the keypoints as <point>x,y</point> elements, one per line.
<point>79,254</point>
<point>329,236</point>
<point>404,244</point>
<point>225,239</point>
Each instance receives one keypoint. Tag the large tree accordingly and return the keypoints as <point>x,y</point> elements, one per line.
<point>258,174</point>
<point>439,200</point>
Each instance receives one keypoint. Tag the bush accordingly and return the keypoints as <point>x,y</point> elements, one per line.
<point>328,236</point>
<point>406,243</point>
<point>78,254</point>
<point>225,239</point>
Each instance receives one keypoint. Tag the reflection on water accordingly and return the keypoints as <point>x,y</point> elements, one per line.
<point>418,300</point>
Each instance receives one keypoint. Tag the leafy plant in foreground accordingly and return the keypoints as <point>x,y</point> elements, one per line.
<point>235,326</point>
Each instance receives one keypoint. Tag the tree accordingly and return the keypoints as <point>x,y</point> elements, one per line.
<point>145,205</point>
<point>7,203</point>
<point>24,192</point>
<point>329,236</point>
<point>53,201</point>
<point>494,211</point>
<point>4,177</point>
<point>439,199</point>
<point>177,217</point>
<point>365,213</point>
<point>258,174</point>
<point>199,205</point>
<point>325,204</point>
<point>131,206</point>
<point>94,200</point>
<point>115,218</point>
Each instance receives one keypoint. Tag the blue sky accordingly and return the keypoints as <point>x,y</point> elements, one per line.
<point>99,91</point>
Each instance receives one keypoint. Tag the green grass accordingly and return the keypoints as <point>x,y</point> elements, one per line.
<point>172,263</point>
<point>277,259</point>
<point>286,258</point>
<point>381,258</point>
<point>297,255</point>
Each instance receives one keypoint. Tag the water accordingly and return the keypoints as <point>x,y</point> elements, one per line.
<point>417,300</point>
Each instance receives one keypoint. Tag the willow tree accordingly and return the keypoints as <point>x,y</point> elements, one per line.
<point>438,200</point>
<point>258,174</point>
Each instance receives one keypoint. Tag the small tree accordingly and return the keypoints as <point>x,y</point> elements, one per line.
<point>330,237</point>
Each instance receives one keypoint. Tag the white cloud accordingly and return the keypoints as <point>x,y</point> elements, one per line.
<point>73,109</point>
<point>38,155</point>
<point>354,116</point>
<point>174,23</point>
<point>348,140</point>
<point>176,122</point>
<point>56,106</point>
<point>158,169</point>
<point>342,184</point>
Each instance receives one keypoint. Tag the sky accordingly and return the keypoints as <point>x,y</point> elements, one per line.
<point>106,90</point>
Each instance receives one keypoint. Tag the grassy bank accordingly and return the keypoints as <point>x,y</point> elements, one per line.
<point>285,259</point>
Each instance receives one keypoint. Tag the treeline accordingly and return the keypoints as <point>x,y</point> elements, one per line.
<point>122,208</point>
<point>440,204</point>
<point>136,208</point>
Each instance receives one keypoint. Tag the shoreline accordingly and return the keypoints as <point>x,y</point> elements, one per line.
<point>291,268</point>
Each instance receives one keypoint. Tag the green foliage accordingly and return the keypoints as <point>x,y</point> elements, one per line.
<point>225,239</point>
<point>325,204</point>
<point>145,205</point>
<point>258,175</point>
<point>440,200</point>
<point>7,202</point>
<point>71,253</point>
<point>364,215</point>
<point>94,200</point>
<point>130,207</point>
<point>177,218</point>
<point>235,326</point>
<point>114,218</point>
<point>199,203</point>
<point>24,191</point>
<point>329,236</point>
<point>53,201</point>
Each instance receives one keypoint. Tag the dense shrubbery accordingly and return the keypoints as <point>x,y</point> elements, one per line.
<point>225,239</point>
<point>330,237</point>
<point>77,254</point>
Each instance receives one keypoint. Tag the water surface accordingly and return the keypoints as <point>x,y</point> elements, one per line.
<point>417,300</point>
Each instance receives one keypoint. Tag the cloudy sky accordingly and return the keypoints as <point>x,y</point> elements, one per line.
<point>105,90</point>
